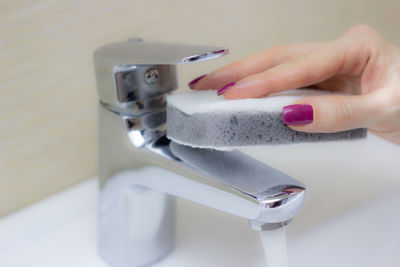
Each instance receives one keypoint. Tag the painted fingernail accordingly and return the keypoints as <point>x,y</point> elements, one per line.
<point>225,88</point>
<point>298,114</point>
<point>193,83</point>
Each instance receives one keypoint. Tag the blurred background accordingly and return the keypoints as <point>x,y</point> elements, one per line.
<point>48,98</point>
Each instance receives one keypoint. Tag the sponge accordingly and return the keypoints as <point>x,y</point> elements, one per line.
<point>203,119</point>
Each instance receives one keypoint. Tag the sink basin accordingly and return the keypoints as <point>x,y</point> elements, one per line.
<point>60,231</point>
<point>350,217</point>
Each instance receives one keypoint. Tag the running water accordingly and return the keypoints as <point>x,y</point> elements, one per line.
<point>275,250</point>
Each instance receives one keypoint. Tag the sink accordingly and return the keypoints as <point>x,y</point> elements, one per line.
<point>60,231</point>
<point>364,236</point>
<point>350,216</point>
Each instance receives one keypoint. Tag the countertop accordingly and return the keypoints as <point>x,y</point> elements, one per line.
<point>61,231</point>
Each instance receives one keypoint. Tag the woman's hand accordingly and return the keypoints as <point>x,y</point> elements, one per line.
<point>361,63</point>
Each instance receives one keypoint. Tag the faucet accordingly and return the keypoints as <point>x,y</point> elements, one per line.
<point>141,171</point>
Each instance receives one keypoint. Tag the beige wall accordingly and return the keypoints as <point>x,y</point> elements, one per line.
<point>47,91</point>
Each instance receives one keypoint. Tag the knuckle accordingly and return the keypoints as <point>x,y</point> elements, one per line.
<point>365,34</point>
<point>304,65</point>
<point>343,113</point>
<point>363,29</point>
<point>337,114</point>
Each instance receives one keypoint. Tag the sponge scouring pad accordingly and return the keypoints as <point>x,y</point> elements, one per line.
<point>203,119</point>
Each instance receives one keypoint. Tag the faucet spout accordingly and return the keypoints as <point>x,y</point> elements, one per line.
<point>278,196</point>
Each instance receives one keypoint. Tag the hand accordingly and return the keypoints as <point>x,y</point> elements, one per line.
<point>360,63</point>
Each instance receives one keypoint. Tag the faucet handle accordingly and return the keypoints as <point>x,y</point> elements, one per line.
<point>136,51</point>
<point>130,72</point>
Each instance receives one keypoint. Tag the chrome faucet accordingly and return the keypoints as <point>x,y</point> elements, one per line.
<point>141,171</point>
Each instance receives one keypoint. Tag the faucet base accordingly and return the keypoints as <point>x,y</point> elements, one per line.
<point>135,224</point>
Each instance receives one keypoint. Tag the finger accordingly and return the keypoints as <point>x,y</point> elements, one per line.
<point>332,113</point>
<point>337,57</point>
<point>251,65</point>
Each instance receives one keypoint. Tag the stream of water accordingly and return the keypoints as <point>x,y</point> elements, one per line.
<point>275,249</point>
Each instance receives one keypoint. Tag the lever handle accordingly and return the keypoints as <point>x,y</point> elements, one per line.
<point>132,74</point>
<point>155,53</point>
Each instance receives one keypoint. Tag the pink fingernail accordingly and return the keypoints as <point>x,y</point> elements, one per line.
<point>298,114</point>
<point>193,83</point>
<point>225,88</point>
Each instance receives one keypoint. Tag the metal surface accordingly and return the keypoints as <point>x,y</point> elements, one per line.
<point>155,53</point>
<point>141,171</point>
<point>124,66</point>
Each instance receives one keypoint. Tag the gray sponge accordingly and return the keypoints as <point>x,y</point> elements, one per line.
<point>203,119</point>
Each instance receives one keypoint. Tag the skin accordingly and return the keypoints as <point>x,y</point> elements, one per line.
<point>361,63</point>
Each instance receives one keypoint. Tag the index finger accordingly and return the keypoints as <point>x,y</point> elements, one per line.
<point>337,57</point>
<point>253,64</point>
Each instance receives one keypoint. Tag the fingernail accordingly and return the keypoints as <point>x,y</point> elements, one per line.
<point>193,83</point>
<point>298,114</point>
<point>225,87</point>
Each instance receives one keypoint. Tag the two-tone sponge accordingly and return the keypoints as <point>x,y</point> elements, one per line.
<point>203,119</point>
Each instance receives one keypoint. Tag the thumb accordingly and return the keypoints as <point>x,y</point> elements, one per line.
<point>331,113</point>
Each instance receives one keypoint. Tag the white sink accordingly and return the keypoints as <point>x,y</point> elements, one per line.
<point>350,217</point>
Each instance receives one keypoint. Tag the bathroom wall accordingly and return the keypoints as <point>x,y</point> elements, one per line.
<point>47,89</point>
